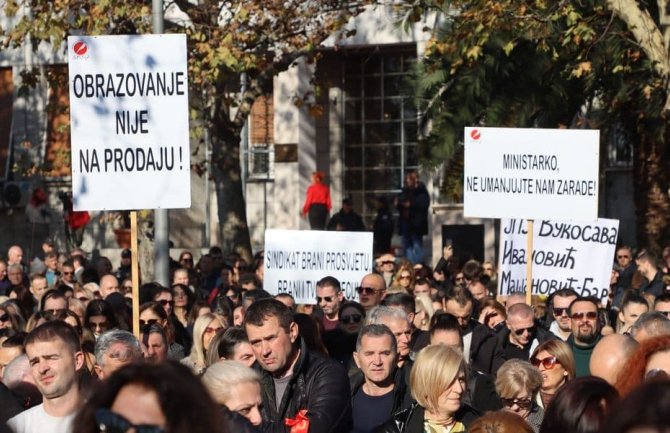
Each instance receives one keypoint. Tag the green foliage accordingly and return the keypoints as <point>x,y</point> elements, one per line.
<point>516,63</point>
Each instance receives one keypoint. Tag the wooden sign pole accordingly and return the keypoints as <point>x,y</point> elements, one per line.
<point>529,262</point>
<point>135,273</point>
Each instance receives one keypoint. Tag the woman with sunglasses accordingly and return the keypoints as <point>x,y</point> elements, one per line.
<point>556,364</point>
<point>204,330</point>
<point>517,384</point>
<point>403,280</point>
<point>151,398</point>
<point>153,312</point>
<point>650,361</point>
<point>99,317</point>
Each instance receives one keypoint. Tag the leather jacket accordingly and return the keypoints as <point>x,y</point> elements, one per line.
<point>319,385</point>
<point>411,420</point>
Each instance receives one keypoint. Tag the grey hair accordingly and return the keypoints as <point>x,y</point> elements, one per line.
<point>376,331</point>
<point>381,313</point>
<point>15,372</point>
<point>104,343</point>
<point>653,322</point>
<point>157,329</point>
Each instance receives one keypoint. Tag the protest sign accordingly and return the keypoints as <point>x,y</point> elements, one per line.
<point>575,255</point>
<point>531,173</point>
<point>129,122</point>
<point>295,260</point>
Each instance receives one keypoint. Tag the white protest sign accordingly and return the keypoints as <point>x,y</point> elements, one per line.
<point>531,173</point>
<point>295,260</point>
<point>574,255</point>
<point>129,122</point>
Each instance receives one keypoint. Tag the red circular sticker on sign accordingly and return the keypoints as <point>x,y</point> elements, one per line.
<point>475,134</point>
<point>80,48</point>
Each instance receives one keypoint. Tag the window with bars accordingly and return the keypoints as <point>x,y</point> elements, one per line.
<point>380,128</point>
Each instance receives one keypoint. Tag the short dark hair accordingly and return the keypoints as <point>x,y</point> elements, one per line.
<point>564,293</point>
<point>663,297</point>
<point>51,294</point>
<point>329,281</point>
<point>263,309</point>
<point>376,330</point>
<point>460,295</point>
<point>403,300</point>
<point>444,322</point>
<point>591,299</point>
<point>223,344</point>
<point>53,330</point>
<point>633,297</point>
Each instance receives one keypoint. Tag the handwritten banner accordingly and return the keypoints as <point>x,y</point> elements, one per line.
<point>565,255</point>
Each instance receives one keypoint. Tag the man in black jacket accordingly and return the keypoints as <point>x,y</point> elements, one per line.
<point>378,390</point>
<point>294,379</point>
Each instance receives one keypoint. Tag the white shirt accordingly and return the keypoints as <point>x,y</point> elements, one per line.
<point>36,420</point>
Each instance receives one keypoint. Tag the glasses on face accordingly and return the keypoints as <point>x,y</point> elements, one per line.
<point>558,312</point>
<point>210,329</point>
<point>187,260</point>
<point>388,262</point>
<point>590,315</point>
<point>404,277</point>
<point>354,318</point>
<point>548,363</point>
<point>165,302</point>
<point>366,290</point>
<point>110,422</point>
<point>520,332</point>
<point>523,403</point>
<point>623,256</point>
<point>657,374</point>
<point>4,317</point>
<point>67,273</point>
<point>148,322</point>
<point>325,299</point>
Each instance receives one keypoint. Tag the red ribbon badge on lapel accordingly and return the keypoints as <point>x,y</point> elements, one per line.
<point>300,424</point>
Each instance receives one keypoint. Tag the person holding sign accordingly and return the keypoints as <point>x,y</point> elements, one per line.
<point>317,203</point>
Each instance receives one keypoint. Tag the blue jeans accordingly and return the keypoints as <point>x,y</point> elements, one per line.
<point>413,246</point>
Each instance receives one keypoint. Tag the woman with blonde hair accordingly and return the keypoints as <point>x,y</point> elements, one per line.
<point>517,385</point>
<point>423,311</point>
<point>438,382</point>
<point>403,280</point>
<point>237,387</point>
<point>556,364</point>
<point>204,330</point>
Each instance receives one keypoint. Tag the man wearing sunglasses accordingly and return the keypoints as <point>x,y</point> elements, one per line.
<point>329,296</point>
<point>560,301</point>
<point>521,336</point>
<point>585,332</point>
<point>293,378</point>
<point>55,356</point>
<point>371,291</point>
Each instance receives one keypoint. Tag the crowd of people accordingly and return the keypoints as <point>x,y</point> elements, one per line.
<point>421,350</point>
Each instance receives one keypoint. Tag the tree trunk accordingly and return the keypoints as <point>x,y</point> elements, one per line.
<point>233,228</point>
<point>651,186</point>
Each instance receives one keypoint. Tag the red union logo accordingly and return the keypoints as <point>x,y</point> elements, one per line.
<point>475,134</point>
<point>80,48</point>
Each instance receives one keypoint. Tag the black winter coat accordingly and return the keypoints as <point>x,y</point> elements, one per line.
<point>319,385</point>
<point>411,420</point>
